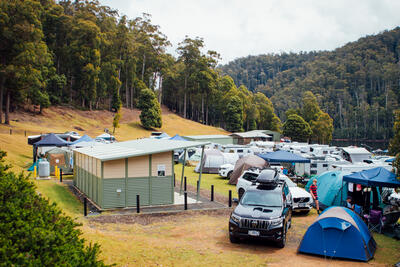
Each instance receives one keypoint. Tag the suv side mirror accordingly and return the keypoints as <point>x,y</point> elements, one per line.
<point>235,200</point>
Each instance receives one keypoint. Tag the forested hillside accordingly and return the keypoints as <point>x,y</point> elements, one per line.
<point>82,54</point>
<point>358,85</point>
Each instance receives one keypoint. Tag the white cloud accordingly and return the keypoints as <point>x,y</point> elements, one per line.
<point>238,28</point>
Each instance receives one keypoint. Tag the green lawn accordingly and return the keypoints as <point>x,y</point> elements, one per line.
<point>60,194</point>
<point>221,185</point>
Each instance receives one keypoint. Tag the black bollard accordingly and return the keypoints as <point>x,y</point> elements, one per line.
<point>60,176</point>
<point>25,133</point>
<point>197,188</point>
<point>230,198</point>
<point>185,200</point>
<point>212,192</point>
<point>184,185</point>
<point>84,206</point>
<point>174,180</point>
<point>137,203</point>
<point>10,132</point>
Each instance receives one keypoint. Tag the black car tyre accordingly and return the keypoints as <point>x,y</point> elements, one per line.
<point>290,223</point>
<point>240,193</point>
<point>281,243</point>
<point>233,239</point>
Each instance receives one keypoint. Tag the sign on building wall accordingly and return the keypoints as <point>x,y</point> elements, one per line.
<point>161,170</point>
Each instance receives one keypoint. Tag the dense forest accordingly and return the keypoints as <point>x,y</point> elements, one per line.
<point>358,85</point>
<point>83,54</point>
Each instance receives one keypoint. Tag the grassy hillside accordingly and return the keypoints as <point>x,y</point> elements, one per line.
<point>93,123</point>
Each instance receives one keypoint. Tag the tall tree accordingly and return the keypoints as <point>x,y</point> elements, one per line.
<point>394,146</point>
<point>297,128</point>
<point>150,117</point>
<point>234,114</point>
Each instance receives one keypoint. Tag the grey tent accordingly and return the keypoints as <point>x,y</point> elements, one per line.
<point>246,163</point>
<point>212,160</point>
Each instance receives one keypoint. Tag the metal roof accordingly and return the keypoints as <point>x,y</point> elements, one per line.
<point>252,134</point>
<point>135,148</point>
<point>211,136</point>
<point>356,150</point>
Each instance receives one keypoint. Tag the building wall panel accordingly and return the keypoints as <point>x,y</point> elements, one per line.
<point>161,190</point>
<point>114,168</point>
<point>113,198</point>
<point>161,159</point>
<point>138,166</point>
<point>138,186</point>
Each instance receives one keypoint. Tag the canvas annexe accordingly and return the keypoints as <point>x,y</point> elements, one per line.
<point>111,175</point>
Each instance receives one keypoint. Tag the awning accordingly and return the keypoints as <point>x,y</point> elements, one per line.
<point>374,177</point>
<point>283,156</point>
<point>51,140</point>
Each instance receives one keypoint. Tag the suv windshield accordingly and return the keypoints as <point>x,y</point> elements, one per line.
<point>262,198</point>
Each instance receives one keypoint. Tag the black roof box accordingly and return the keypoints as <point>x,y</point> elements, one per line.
<point>268,176</point>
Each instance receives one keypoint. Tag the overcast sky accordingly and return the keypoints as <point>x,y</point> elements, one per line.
<point>238,28</point>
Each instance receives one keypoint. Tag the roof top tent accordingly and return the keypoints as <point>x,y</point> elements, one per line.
<point>248,137</point>
<point>215,138</point>
<point>355,154</point>
<point>244,164</point>
<point>339,233</point>
<point>111,175</point>
<point>46,143</point>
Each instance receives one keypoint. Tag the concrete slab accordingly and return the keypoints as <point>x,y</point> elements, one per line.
<point>180,199</point>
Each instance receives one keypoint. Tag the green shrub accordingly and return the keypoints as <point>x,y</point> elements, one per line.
<point>34,232</point>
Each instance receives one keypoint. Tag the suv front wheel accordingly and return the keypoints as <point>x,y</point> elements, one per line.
<point>281,243</point>
<point>233,239</point>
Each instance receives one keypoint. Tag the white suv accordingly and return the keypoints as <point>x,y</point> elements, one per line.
<point>226,170</point>
<point>301,198</point>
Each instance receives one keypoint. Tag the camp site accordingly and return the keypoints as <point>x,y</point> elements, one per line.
<point>199,133</point>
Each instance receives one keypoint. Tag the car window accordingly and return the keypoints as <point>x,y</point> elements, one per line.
<point>248,176</point>
<point>262,198</point>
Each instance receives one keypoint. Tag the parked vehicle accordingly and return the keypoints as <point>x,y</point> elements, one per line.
<point>226,170</point>
<point>301,198</point>
<point>264,212</point>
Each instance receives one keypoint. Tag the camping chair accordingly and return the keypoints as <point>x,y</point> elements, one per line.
<point>375,220</point>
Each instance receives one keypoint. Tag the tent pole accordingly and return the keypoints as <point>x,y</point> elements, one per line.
<point>183,170</point>
<point>201,171</point>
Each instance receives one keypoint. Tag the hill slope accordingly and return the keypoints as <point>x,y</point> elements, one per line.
<point>93,123</point>
<point>357,84</point>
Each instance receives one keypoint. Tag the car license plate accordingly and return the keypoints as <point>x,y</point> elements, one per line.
<point>254,233</point>
<point>302,205</point>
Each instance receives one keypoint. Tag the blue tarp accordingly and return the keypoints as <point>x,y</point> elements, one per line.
<point>51,140</point>
<point>85,138</point>
<point>177,137</point>
<point>339,233</point>
<point>374,177</point>
<point>283,156</point>
<point>330,189</point>
<point>390,160</point>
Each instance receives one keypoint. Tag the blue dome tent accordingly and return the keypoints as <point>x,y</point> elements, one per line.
<point>339,233</point>
<point>332,191</point>
<point>177,137</point>
<point>85,138</point>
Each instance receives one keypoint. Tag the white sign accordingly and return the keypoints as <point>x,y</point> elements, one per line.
<point>161,170</point>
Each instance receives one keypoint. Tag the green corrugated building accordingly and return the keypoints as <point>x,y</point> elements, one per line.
<point>111,175</point>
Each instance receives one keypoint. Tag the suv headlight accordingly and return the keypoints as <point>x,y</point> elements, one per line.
<point>235,218</point>
<point>276,222</point>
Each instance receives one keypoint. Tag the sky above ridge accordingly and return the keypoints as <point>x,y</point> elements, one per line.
<point>237,28</point>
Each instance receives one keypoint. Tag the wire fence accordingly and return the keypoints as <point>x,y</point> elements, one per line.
<point>11,131</point>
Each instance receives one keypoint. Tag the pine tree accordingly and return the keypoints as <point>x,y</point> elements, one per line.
<point>150,117</point>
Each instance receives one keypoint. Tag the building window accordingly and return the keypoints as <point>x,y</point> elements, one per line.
<point>325,165</point>
<point>313,165</point>
<point>313,172</point>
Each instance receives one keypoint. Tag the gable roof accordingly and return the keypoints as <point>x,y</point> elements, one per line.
<point>134,148</point>
<point>51,140</point>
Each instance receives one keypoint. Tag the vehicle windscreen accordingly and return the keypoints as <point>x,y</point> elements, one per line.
<point>262,198</point>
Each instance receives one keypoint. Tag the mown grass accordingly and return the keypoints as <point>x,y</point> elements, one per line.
<point>221,185</point>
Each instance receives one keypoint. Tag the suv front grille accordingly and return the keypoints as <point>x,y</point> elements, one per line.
<point>254,223</point>
<point>301,199</point>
